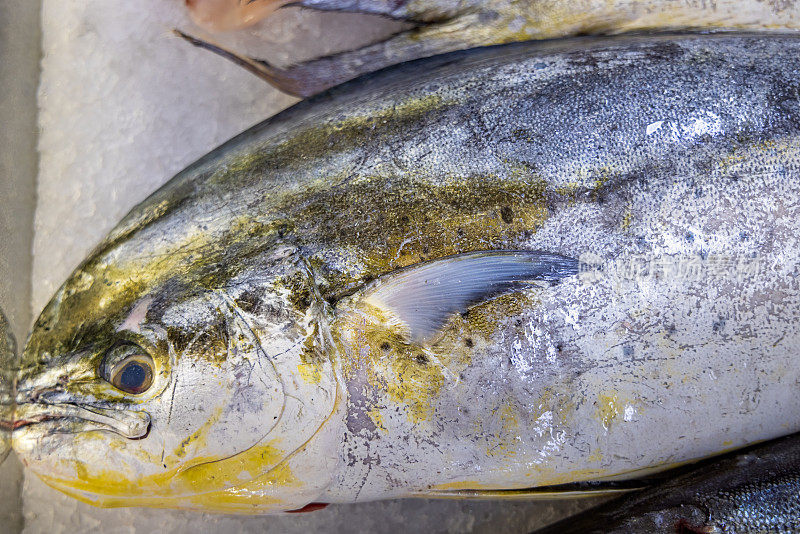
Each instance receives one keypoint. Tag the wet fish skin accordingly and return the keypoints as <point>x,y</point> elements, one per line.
<point>746,492</point>
<point>442,26</point>
<point>263,284</point>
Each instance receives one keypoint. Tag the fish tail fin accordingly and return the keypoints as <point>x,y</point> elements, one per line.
<point>312,77</point>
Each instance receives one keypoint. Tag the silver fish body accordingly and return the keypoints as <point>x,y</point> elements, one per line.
<point>494,270</point>
<point>757,490</point>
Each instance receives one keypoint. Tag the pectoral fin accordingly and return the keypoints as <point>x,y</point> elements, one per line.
<point>423,297</point>
<point>290,81</point>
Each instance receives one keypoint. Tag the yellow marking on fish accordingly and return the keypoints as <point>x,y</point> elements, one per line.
<point>230,500</point>
<point>375,414</point>
<point>309,372</point>
<point>210,480</point>
<point>546,476</point>
<point>608,408</point>
<point>252,495</point>
<point>198,437</point>
<point>252,461</point>
<point>509,419</point>
<point>464,485</point>
<point>80,282</point>
<point>627,218</point>
<point>374,344</point>
<point>234,500</point>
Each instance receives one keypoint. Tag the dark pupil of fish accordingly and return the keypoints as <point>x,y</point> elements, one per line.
<point>133,376</point>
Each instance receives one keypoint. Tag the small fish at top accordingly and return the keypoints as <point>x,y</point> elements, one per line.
<point>440,26</point>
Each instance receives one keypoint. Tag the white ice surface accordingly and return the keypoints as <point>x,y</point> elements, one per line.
<point>124,105</point>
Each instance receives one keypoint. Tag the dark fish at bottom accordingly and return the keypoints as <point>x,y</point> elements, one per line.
<point>757,490</point>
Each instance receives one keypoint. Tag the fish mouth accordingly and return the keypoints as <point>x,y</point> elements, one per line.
<point>72,419</point>
<point>11,425</point>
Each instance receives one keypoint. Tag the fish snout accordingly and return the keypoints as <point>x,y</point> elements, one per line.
<point>27,392</point>
<point>74,418</point>
<point>42,402</point>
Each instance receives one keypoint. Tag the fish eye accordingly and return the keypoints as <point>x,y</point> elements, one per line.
<point>129,368</point>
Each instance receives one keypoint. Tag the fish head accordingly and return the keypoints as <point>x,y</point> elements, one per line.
<point>156,377</point>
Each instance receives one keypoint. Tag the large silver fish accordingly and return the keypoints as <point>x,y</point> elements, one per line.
<point>753,491</point>
<point>439,26</point>
<point>7,367</point>
<point>472,275</point>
